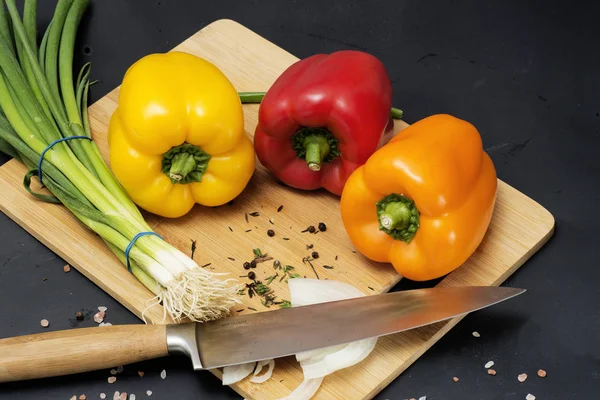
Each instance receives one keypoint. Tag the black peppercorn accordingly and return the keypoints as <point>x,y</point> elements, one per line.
<point>271,232</point>
<point>311,229</point>
<point>322,227</point>
<point>79,316</point>
<point>253,264</point>
<point>246,265</point>
<point>251,275</point>
<point>315,254</point>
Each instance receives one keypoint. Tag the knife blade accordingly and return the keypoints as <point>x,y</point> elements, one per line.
<point>242,338</point>
<point>266,335</point>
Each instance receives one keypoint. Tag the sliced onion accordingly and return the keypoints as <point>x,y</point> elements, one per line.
<point>306,389</point>
<point>267,375</point>
<point>316,364</point>
<point>350,355</point>
<point>236,373</point>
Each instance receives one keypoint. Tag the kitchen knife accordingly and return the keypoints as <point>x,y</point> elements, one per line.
<point>242,338</point>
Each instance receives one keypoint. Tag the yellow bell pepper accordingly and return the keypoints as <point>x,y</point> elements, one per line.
<point>177,137</point>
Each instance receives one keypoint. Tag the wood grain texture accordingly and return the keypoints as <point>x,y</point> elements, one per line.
<point>518,229</point>
<point>79,350</point>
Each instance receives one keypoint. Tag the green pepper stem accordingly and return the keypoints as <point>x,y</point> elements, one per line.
<point>396,216</point>
<point>185,163</point>
<point>317,148</point>
<point>181,166</point>
<point>257,97</point>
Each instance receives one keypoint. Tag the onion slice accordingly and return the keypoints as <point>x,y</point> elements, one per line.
<point>266,376</point>
<point>316,364</point>
<point>236,373</point>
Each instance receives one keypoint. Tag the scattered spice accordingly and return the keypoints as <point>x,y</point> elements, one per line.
<point>354,251</point>
<point>252,308</point>
<point>530,397</point>
<point>257,252</point>
<point>315,255</point>
<point>261,289</point>
<point>310,229</point>
<point>285,304</point>
<point>491,372</point>
<point>240,310</point>
<point>193,248</point>
<point>279,208</point>
<point>99,316</point>
<point>336,257</point>
<point>489,364</point>
<point>270,279</point>
<point>254,214</point>
<point>141,374</point>
<point>286,238</point>
<point>251,275</point>
<point>246,217</point>
<point>79,316</point>
<point>253,263</point>
<point>371,288</point>
<point>276,264</point>
<point>248,230</point>
<point>271,221</point>
<point>163,374</point>
<point>44,323</point>
<point>522,377</point>
<point>67,268</point>
<point>205,265</point>
<point>455,379</point>
<point>476,334</point>
<point>295,275</point>
<point>322,227</point>
<point>246,265</point>
<point>231,258</point>
<point>230,228</point>
<point>271,232</point>
<point>112,379</point>
<point>309,246</point>
<point>541,373</point>
<point>327,267</point>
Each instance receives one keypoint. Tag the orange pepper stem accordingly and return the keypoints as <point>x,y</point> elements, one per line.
<point>185,163</point>
<point>398,217</point>
<point>316,146</point>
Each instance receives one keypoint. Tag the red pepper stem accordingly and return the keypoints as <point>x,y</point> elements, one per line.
<point>317,148</point>
<point>257,97</point>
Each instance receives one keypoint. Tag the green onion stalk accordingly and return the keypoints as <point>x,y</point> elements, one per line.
<point>41,103</point>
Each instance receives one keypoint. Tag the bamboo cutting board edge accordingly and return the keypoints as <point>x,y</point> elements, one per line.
<point>221,42</point>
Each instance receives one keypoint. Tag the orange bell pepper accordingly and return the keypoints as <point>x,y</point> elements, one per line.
<point>423,201</point>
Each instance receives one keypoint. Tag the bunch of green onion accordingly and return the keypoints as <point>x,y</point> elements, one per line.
<point>41,102</point>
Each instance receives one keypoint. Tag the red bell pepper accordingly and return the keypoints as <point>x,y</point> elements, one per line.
<point>323,118</point>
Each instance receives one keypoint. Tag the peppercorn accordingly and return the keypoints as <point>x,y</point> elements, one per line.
<point>253,264</point>
<point>79,316</point>
<point>271,232</point>
<point>251,275</point>
<point>311,229</point>
<point>315,254</point>
<point>322,227</point>
<point>246,265</point>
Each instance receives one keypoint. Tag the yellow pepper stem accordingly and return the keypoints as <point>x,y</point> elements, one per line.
<point>185,163</point>
<point>398,217</point>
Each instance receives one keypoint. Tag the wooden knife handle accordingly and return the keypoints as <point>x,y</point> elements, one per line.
<point>79,350</point>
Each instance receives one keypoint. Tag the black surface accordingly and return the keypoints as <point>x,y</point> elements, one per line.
<point>526,73</point>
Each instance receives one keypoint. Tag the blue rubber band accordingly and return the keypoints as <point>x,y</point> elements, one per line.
<point>39,165</point>
<point>130,245</point>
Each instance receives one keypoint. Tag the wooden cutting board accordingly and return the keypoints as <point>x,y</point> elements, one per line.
<point>518,229</point>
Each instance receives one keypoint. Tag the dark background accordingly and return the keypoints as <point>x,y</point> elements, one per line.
<point>526,73</point>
